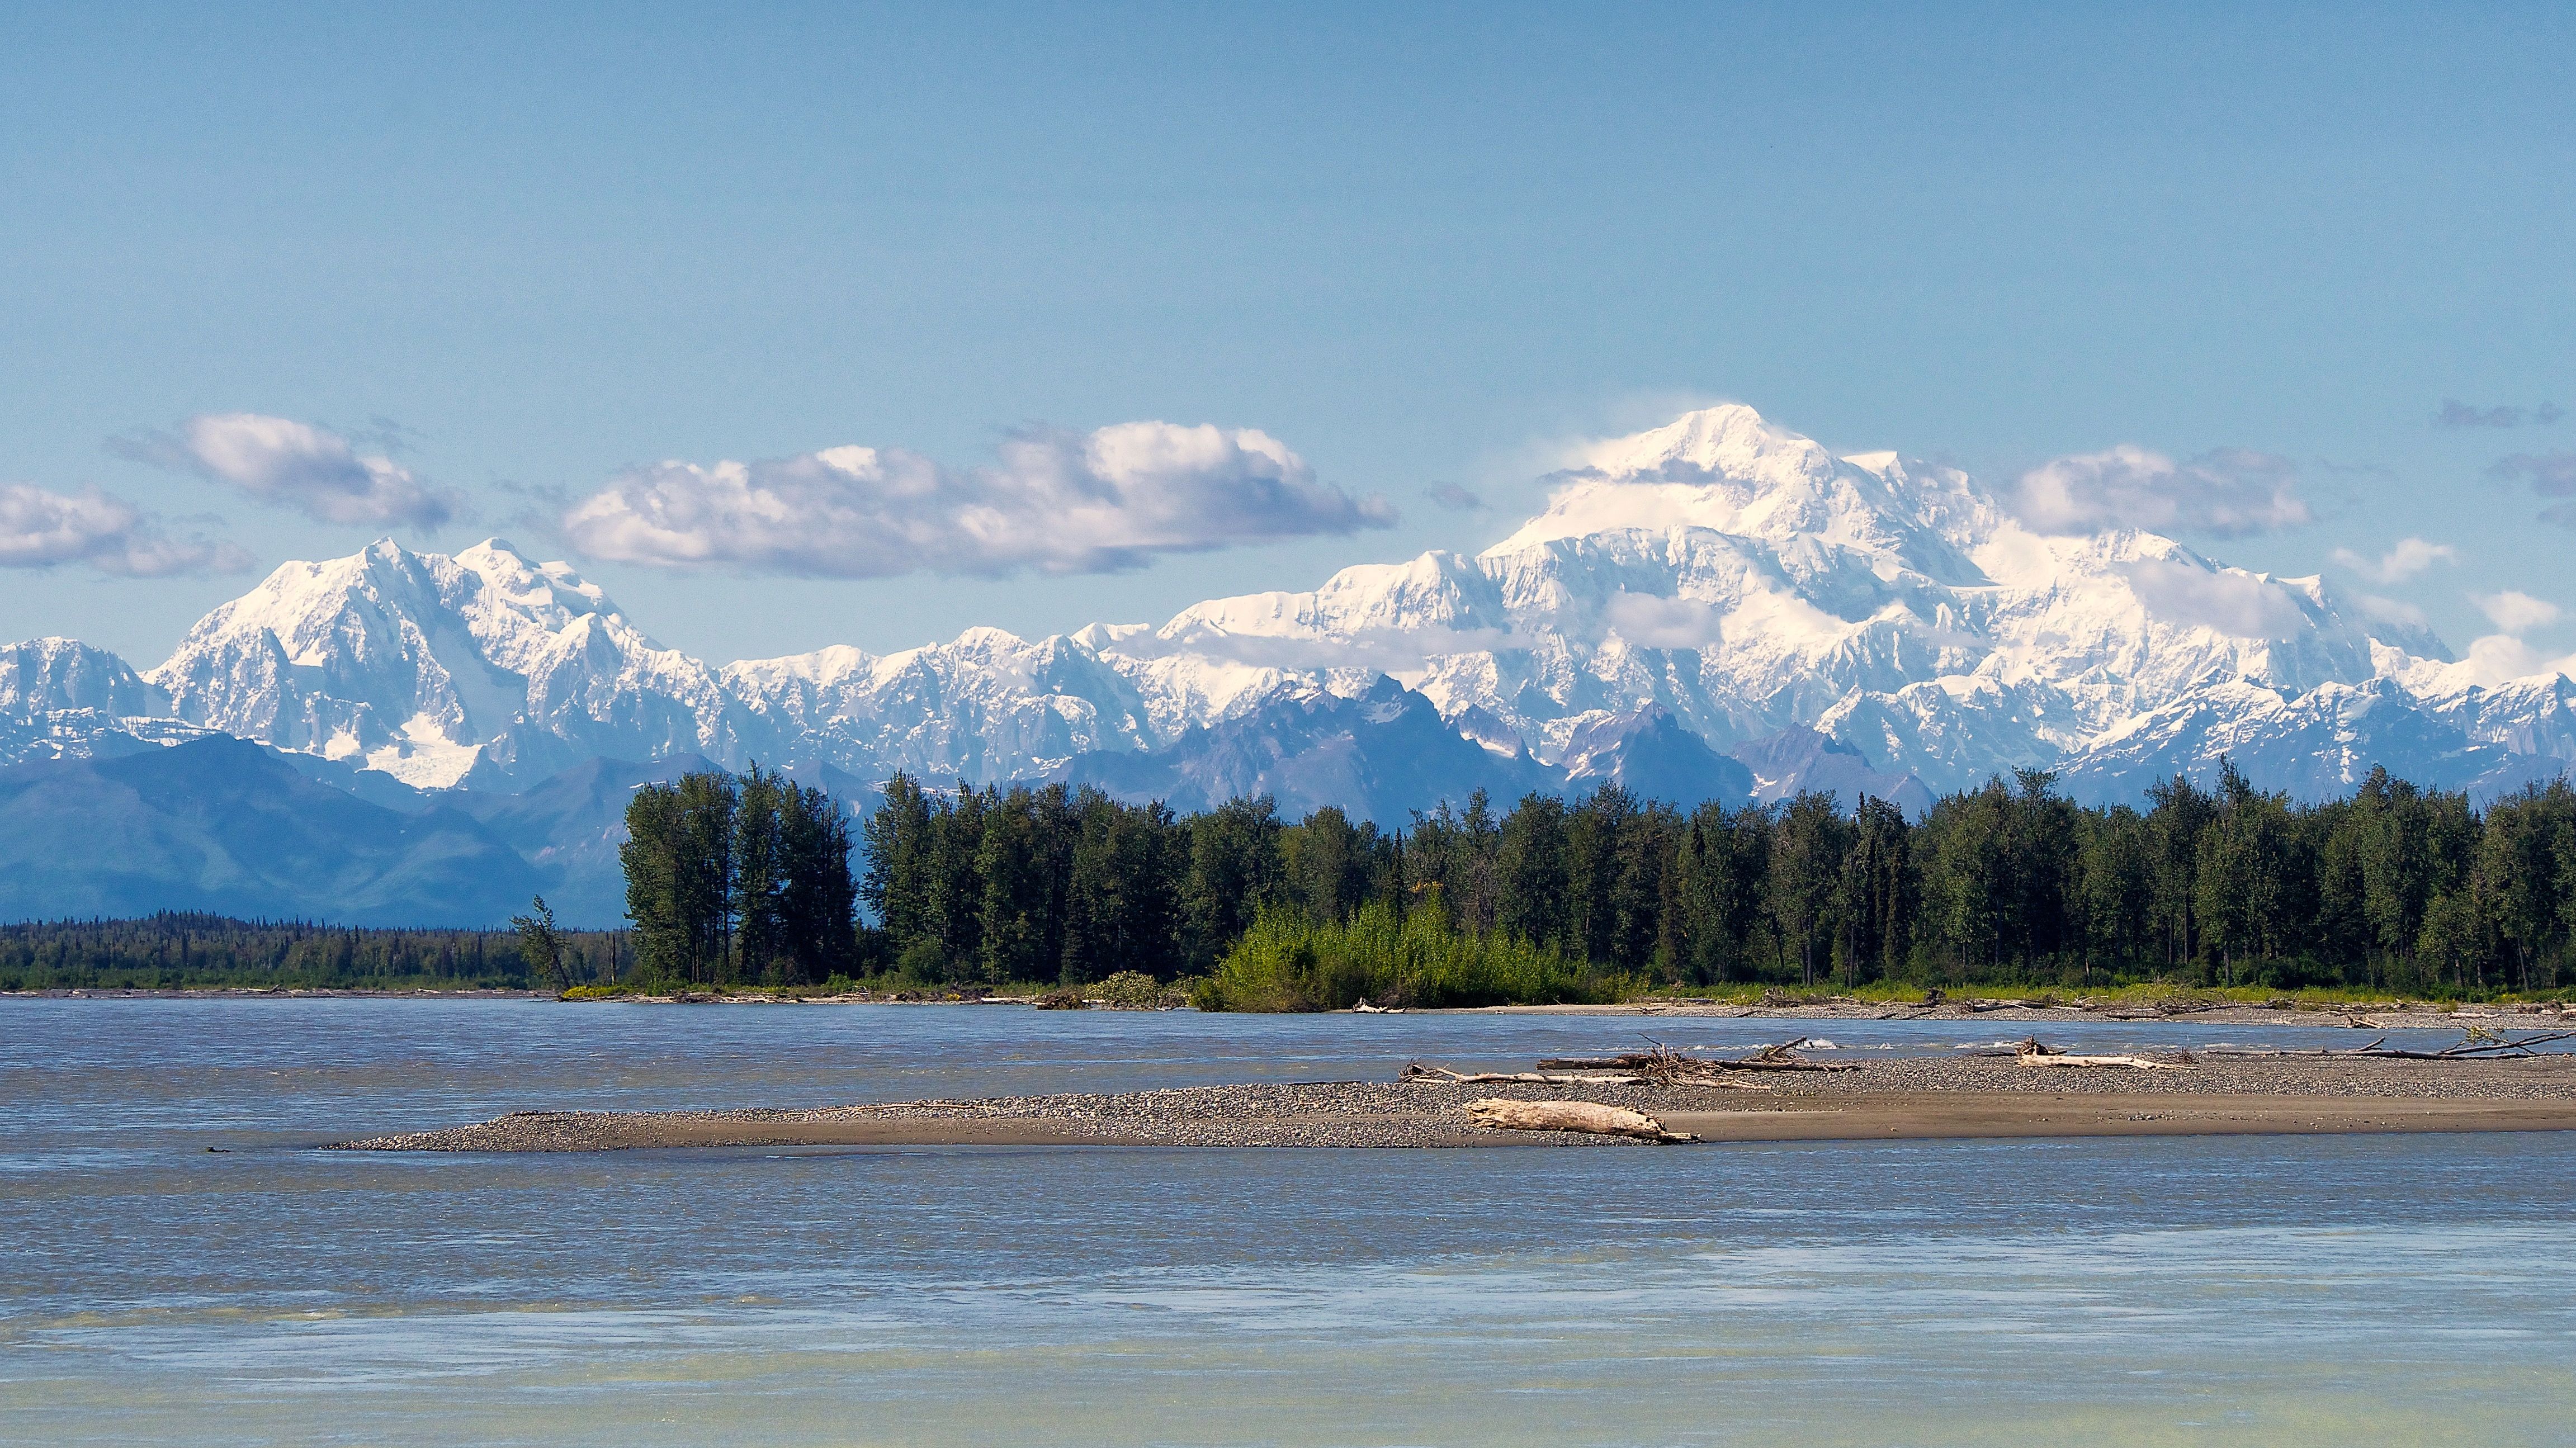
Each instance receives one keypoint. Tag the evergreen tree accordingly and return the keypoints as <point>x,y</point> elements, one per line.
<point>541,945</point>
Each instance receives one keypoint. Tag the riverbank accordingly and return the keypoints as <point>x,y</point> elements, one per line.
<point>1906,1098</point>
<point>2324,1011</point>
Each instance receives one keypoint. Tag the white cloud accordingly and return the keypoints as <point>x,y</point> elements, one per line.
<point>2228,600</point>
<point>2516,612</point>
<point>41,529</point>
<point>2228,492</point>
<point>2407,560</point>
<point>1650,622</point>
<point>290,464</point>
<point>1056,502</point>
<point>2501,658</point>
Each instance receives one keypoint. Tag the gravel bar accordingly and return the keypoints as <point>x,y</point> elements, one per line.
<point>1906,1097</point>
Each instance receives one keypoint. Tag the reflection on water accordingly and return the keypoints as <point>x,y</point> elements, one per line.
<point>2143,1290</point>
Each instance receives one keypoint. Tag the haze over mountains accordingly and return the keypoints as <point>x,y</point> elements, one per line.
<point>1714,608</point>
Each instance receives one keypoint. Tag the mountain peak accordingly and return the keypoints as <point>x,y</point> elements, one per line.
<point>1728,470</point>
<point>1730,439</point>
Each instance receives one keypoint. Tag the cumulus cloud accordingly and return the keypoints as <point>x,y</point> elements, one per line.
<point>1457,499</point>
<point>2516,612</point>
<point>1054,501</point>
<point>2407,560</point>
<point>2228,492</point>
<point>41,529</point>
<point>2501,658</point>
<point>2229,601</point>
<point>2456,413</point>
<point>289,464</point>
<point>1650,622</point>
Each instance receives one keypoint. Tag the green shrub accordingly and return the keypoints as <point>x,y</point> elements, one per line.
<point>1134,990</point>
<point>1285,962</point>
<point>922,963</point>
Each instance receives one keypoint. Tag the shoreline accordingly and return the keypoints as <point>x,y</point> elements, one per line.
<point>2393,1015</point>
<point>1889,1100</point>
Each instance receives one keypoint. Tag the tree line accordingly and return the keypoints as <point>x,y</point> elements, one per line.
<point>752,879</point>
<point>738,879</point>
<point>2395,887</point>
<point>179,950</point>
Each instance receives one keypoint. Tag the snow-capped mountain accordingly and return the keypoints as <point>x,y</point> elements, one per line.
<point>987,706</point>
<point>63,699</point>
<point>1867,621</point>
<point>426,666</point>
<point>1746,580</point>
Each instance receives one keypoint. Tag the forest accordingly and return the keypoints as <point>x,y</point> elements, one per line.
<point>2394,888</point>
<point>176,950</point>
<point>754,880</point>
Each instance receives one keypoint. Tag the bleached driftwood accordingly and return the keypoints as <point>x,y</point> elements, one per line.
<point>1585,1116</point>
<point>2480,1045</point>
<point>2108,1063</point>
<point>2033,1053</point>
<point>1443,1076</point>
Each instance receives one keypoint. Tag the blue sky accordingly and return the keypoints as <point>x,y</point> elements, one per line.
<point>524,254</point>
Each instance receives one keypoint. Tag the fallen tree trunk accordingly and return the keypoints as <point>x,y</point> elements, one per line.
<point>1585,1116</point>
<point>2498,1049</point>
<point>2106,1063</point>
<point>1443,1076</point>
<point>2035,1052</point>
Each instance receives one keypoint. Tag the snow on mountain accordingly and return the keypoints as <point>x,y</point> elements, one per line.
<point>427,666</point>
<point>987,706</point>
<point>42,676</point>
<point>64,699</point>
<point>1745,580</point>
<point>2316,745</point>
<point>1720,575</point>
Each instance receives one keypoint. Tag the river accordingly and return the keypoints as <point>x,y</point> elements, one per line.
<point>2131,1290</point>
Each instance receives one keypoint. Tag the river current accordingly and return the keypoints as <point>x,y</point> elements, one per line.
<point>2417,1289</point>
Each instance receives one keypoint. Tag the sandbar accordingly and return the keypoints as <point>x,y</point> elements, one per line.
<point>1908,1098</point>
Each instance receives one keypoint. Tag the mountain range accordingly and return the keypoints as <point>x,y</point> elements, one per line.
<point>1716,608</point>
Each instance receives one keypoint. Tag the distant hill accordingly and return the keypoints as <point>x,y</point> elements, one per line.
<point>1379,756</point>
<point>225,826</point>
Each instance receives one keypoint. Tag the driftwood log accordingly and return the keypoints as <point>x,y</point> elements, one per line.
<point>1664,1066</point>
<point>2102,1063</point>
<point>1443,1076</point>
<point>2033,1052</point>
<point>2480,1045</point>
<point>1585,1116</point>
